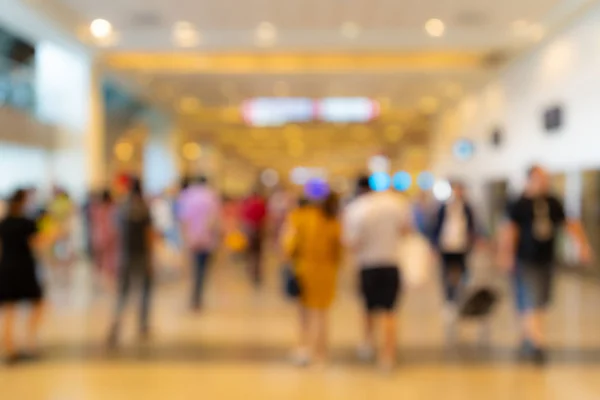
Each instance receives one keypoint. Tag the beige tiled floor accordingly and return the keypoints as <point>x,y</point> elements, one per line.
<point>238,349</point>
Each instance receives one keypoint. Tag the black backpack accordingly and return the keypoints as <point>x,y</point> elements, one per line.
<point>478,303</point>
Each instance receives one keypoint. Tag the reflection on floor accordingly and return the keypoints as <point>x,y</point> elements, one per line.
<point>239,348</point>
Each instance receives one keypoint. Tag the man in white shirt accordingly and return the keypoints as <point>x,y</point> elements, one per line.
<point>374,225</point>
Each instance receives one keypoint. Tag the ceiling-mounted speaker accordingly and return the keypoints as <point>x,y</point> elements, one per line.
<point>497,137</point>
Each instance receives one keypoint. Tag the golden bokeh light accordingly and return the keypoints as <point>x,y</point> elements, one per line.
<point>124,151</point>
<point>192,151</point>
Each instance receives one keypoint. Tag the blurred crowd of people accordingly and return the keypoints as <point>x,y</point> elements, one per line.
<point>130,236</point>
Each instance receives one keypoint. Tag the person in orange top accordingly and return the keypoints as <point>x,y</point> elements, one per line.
<point>313,241</point>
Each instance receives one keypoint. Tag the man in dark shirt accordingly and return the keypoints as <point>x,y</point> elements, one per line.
<point>137,237</point>
<point>527,247</point>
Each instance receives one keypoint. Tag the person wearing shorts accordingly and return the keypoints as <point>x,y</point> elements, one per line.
<point>527,249</point>
<point>373,226</point>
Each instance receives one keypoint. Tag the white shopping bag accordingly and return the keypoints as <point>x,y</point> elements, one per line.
<point>416,260</point>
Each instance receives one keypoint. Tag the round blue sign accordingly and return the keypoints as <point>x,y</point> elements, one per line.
<point>425,180</point>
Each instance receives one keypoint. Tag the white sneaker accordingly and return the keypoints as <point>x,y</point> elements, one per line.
<point>301,357</point>
<point>365,353</point>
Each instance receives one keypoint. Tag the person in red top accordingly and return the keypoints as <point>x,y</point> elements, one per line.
<point>253,216</point>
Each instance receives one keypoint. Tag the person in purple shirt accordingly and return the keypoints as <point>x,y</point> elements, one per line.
<point>199,211</point>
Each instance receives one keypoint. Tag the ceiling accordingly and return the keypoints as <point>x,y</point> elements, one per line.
<point>317,48</point>
<point>317,24</point>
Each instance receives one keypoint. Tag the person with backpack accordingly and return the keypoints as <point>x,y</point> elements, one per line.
<point>454,234</point>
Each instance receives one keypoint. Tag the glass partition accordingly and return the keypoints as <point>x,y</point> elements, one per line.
<point>590,211</point>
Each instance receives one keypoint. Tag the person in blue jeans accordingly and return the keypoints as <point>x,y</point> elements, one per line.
<point>527,249</point>
<point>199,213</point>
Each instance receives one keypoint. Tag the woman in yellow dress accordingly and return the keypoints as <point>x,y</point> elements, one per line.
<point>313,242</point>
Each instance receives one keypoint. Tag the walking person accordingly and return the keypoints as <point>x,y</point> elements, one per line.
<point>454,235</point>
<point>105,236</point>
<point>527,249</point>
<point>254,214</point>
<point>137,241</point>
<point>313,241</point>
<point>18,276</point>
<point>375,224</point>
<point>199,209</point>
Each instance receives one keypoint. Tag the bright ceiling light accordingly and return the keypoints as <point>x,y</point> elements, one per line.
<point>124,151</point>
<point>185,34</point>
<point>435,27</point>
<point>101,29</point>
<point>536,32</point>
<point>266,34</point>
<point>350,30</point>
<point>519,26</point>
<point>379,163</point>
<point>527,30</point>
<point>192,151</point>
<point>269,178</point>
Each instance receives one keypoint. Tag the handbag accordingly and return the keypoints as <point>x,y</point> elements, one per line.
<point>291,284</point>
<point>416,260</point>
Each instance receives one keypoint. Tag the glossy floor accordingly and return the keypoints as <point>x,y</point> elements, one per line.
<point>238,348</point>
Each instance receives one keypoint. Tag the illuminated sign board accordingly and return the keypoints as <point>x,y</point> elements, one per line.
<point>278,111</point>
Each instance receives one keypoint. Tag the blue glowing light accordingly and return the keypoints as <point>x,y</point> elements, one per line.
<point>316,189</point>
<point>402,181</point>
<point>380,181</point>
<point>425,180</point>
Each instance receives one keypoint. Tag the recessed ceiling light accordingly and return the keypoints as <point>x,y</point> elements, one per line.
<point>266,34</point>
<point>536,32</point>
<point>124,151</point>
<point>528,30</point>
<point>350,29</point>
<point>101,28</point>
<point>185,34</point>
<point>435,27</point>
<point>519,26</point>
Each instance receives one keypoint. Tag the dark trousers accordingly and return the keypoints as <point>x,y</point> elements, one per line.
<point>201,261</point>
<point>137,269</point>
<point>454,272</point>
<point>254,257</point>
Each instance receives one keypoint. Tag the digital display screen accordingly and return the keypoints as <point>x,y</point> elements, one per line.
<point>277,111</point>
<point>347,110</point>
<point>553,118</point>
